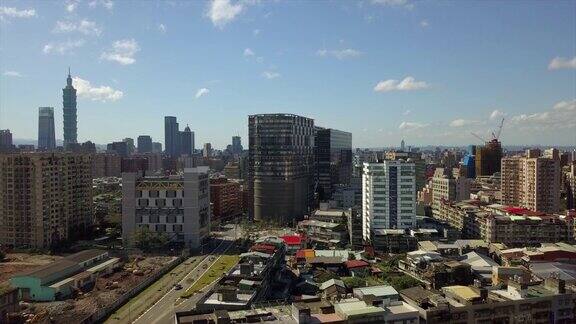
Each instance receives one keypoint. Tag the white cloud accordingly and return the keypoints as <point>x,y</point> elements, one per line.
<point>565,105</point>
<point>409,83</point>
<point>496,114</point>
<point>201,92</point>
<point>408,126</point>
<point>11,12</point>
<point>71,5</point>
<point>339,54</point>
<point>394,3</point>
<point>463,122</point>
<point>424,23</point>
<point>562,63</point>
<point>83,26</point>
<point>12,74</point>
<point>407,112</point>
<point>221,12</point>
<point>162,28</point>
<point>561,116</point>
<point>122,52</point>
<point>270,75</point>
<point>85,90</point>
<point>62,47</point>
<point>248,52</point>
<point>108,4</point>
<point>256,32</point>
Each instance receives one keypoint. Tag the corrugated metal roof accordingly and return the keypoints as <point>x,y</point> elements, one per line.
<point>378,291</point>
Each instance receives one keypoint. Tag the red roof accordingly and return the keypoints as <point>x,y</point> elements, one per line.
<point>266,248</point>
<point>351,264</point>
<point>522,211</point>
<point>292,239</point>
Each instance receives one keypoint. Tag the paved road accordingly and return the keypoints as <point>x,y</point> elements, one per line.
<point>162,312</point>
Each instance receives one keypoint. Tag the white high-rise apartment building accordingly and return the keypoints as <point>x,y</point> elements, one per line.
<point>388,196</point>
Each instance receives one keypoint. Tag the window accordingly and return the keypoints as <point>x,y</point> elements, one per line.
<point>138,218</point>
<point>143,202</point>
<point>160,228</point>
<point>153,194</point>
<point>171,219</point>
<point>170,193</point>
<point>177,202</point>
<point>138,193</point>
<point>160,202</point>
<point>177,228</point>
<point>153,219</point>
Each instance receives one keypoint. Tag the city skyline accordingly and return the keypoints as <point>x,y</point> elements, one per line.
<point>392,71</point>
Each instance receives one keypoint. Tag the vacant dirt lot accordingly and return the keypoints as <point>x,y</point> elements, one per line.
<point>106,291</point>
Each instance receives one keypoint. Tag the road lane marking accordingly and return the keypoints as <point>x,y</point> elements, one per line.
<point>171,289</point>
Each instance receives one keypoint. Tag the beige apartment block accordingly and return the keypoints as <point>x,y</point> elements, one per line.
<point>532,181</point>
<point>45,198</point>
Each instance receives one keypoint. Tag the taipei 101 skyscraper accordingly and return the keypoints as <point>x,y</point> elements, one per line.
<point>69,105</point>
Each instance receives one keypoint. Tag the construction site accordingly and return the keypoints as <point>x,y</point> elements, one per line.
<point>102,293</point>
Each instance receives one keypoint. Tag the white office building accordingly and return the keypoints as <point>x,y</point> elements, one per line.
<point>388,196</point>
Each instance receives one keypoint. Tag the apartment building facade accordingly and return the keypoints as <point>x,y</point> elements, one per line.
<point>176,205</point>
<point>45,198</point>
<point>226,199</point>
<point>388,196</point>
<point>532,181</point>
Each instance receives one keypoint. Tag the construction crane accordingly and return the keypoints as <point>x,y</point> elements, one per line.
<point>495,136</point>
<point>500,129</point>
<point>478,137</point>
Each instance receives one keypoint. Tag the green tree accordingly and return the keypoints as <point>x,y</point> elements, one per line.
<point>403,282</point>
<point>146,240</point>
<point>354,282</point>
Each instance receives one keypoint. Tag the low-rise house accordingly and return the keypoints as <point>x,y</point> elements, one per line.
<point>9,302</point>
<point>304,256</point>
<point>333,289</point>
<point>558,252</point>
<point>445,249</point>
<point>249,281</point>
<point>293,243</point>
<point>59,279</point>
<point>564,271</point>
<point>334,264</point>
<point>393,241</point>
<point>358,311</point>
<point>435,271</point>
<point>357,267</point>
<point>501,275</point>
<point>482,266</point>
<point>324,234</point>
<point>548,302</point>
<point>377,295</point>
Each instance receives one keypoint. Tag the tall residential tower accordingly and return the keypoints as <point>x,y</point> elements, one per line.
<point>388,196</point>
<point>69,107</point>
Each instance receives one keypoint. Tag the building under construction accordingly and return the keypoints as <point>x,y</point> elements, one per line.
<point>488,158</point>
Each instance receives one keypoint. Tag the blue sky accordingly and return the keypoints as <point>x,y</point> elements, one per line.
<point>426,71</point>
